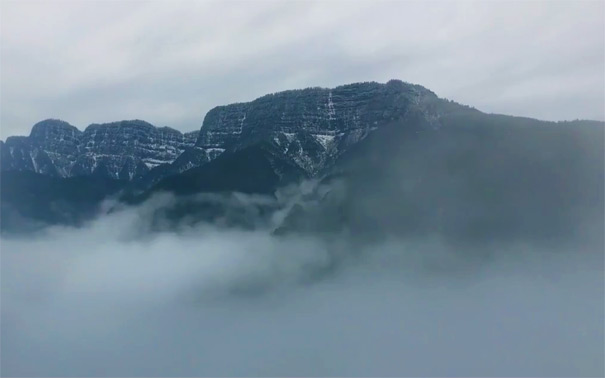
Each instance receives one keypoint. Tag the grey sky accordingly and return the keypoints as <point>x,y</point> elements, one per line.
<point>169,62</point>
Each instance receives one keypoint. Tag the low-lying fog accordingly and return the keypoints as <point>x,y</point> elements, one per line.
<point>111,300</point>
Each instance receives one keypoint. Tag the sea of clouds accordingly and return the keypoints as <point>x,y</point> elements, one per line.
<point>115,298</point>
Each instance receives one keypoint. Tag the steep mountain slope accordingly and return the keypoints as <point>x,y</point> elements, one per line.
<point>309,127</point>
<point>123,150</point>
<point>479,177</point>
<point>253,169</point>
<point>461,176</point>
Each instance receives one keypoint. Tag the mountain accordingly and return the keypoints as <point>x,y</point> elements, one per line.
<point>310,128</point>
<point>384,158</point>
<point>123,150</point>
<point>479,177</point>
<point>460,175</point>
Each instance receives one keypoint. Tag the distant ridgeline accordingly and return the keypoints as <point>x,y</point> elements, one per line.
<point>442,166</point>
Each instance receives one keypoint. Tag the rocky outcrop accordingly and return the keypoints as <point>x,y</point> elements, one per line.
<point>311,127</point>
<point>19,154</point>
<point>121,150</point>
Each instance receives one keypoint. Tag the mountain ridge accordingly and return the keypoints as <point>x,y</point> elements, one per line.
<point>311,126</point>
<point>118,150</point>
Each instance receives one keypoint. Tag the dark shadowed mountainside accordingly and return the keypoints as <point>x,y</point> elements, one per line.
<point>32,200</point>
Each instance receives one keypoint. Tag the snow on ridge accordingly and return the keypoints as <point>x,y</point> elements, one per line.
<point>152,163</point>
<point>324,140</point>
<point>331,110</point>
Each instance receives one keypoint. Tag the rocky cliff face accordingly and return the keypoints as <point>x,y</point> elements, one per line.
<point>119,150</point>
<point>307,129</point>
<point>310,127</point>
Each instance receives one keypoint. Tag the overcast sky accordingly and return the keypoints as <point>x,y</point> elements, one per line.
<point>169,63</point>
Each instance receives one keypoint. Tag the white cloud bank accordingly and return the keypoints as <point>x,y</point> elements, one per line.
<point>108,300</point>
